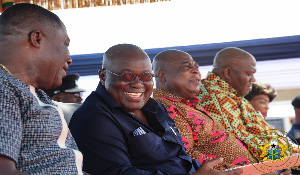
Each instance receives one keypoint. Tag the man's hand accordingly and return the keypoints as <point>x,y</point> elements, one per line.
<point>207,168</point>
<point>8,167</point>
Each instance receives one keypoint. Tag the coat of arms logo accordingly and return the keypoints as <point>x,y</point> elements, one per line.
<point>273,151</point>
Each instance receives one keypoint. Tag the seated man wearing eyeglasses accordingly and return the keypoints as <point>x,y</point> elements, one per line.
<point>121,130</point>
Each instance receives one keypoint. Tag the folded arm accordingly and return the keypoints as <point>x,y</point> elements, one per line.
<point>8,166</point>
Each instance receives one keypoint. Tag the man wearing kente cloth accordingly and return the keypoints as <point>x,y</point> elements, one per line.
<point>222,95</point>
<point>177,83</point>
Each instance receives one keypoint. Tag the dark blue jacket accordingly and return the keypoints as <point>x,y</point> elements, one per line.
<point>294,134</point>
<point>116,142</point>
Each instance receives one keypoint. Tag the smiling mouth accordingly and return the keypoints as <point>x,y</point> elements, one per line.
<point>133,95</point>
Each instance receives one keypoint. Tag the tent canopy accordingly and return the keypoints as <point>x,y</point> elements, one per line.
<point>262,49</point>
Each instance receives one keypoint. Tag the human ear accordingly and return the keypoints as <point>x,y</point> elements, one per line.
<point>227,73</point>
<point>35,38</point>
<point>102,76</point>
<point>161,76</point>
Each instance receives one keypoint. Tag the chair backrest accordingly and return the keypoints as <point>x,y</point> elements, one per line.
<point>68,109</point>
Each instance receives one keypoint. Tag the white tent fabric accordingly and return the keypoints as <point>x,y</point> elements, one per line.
<point>179,23</point>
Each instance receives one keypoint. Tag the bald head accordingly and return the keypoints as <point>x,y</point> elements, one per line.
<point>228,57</point>
<point>24,18</point>
<point>34,45</point>
<point>123,52</point>
<point>236,67</point>
<point>163,59</point>
<point>17,25</point>
<point>177,73</point>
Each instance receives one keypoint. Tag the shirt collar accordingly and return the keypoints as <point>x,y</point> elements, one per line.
<point>171,97</point>
<point>150,108</point>
<point>3,67</point>
<point>194,103</point>
<point>102,92</point>
<point>215,79</point>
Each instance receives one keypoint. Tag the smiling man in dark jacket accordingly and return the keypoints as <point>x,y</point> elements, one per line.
<point>121,130</point>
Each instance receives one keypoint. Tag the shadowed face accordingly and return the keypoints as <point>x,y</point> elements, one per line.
<point>131,95</point>
<point>55,59</point>
<point>242,75</point>
<point>182,76</point>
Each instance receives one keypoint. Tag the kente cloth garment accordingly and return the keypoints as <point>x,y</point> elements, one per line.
<point>236,114</point>
<point>204,137</point>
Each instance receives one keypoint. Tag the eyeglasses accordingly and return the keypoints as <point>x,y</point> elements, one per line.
<point>129,76</point>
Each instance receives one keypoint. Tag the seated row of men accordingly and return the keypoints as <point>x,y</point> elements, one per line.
<point>120,129</point>
<point>132,132</point>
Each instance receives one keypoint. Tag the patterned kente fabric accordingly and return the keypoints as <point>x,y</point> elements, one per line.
<point>235,113</point>
<point>204,137</point>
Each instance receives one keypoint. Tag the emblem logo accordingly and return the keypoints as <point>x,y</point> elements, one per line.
<point>273,151</point>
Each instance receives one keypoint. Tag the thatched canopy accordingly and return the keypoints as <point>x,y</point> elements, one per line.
<point>67,4</point>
